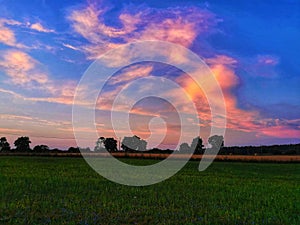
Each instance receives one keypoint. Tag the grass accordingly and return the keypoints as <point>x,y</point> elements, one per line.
<point>45,190</point>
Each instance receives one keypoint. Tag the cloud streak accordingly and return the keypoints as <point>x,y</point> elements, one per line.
<point>7,35</point>
<point>40,28</point>
<point>180,26</point>
<point>21,68</point>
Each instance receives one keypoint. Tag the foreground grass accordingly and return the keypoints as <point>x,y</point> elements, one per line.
<point>42,190</point>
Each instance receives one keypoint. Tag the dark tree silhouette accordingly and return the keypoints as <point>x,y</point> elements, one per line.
<point>41,148</point>
<point>4,145</point>
<point>142,145</point>
<point>184,147</point>
<point>85,149</point>
<point>74,150</point>
<point>134,143</point>
<point>22,144</point>
<point>110,144</point>
<point>216,141</point>
<point>100,144</point>
<point>197,145</point>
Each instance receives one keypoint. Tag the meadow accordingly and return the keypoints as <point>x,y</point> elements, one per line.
<point>50,190</point>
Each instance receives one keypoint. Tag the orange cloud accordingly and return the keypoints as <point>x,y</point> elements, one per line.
<point>228,80</point>
<point>248,121</point>
<point>222,68</point>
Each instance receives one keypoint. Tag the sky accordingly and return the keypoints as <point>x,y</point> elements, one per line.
<point>251,48</point>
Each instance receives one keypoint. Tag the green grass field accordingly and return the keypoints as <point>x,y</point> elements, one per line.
<point>44,190</point>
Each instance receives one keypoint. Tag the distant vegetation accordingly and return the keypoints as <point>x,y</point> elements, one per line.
<point>135,144</point>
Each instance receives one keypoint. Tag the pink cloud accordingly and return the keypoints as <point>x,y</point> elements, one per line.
<point>172,30</point>
<point>237,119</point>
<point>10,22</point>
<point>21,68</point>
<point>181,26</point>
<point>7,35</point>
<point>281,132</point>
<point>221,60</point>
<point>14,94</point>
<point>131,73</point>
<point>71,46</point>
<point>27,72</point>
<point>268,60</point>
<point>39,27</point>
<point>60,92</point>
<point>11,131</point>
<point>262,66</point>
<point>280,128</point>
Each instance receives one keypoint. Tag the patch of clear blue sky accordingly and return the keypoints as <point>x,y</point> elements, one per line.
<point>252,28</point>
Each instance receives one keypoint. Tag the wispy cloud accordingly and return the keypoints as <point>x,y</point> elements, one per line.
<point>268,60</point>
<point>221,60</point>
<point>39,27</point>
<point>26,72</point>
<point>71,46</point>
<point>12,93</point>
<point>10,30</point>
<point>263,65</point>
<point>7,35</point>
<point>21,68</point>
<point>249,120</point>
<point>130,74</point>
<point>177,25</point>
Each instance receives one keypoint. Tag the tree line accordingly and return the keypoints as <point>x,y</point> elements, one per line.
<point>136,144</point>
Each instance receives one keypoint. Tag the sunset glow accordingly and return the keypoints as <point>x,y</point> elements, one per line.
<point>252,51</point>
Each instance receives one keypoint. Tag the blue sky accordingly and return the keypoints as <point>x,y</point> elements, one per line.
<point>251,47</point>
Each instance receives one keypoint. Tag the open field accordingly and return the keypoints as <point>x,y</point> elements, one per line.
<point>229,158</point>
<point>48,190</point>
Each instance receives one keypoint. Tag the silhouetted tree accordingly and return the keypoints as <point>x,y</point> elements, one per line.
<point>142,145</point>
<point>22,144</point>
<point>100,144</point>
<point>85,149</point>
<point>184,147</point>
<point>4,145</point>
<point>197,145</point>
<point>134,143</point>
<point>110,144</point>
<point>56,150</point>
<point>41,148</point>
<point>216,141</point>
<point>74,150</point>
